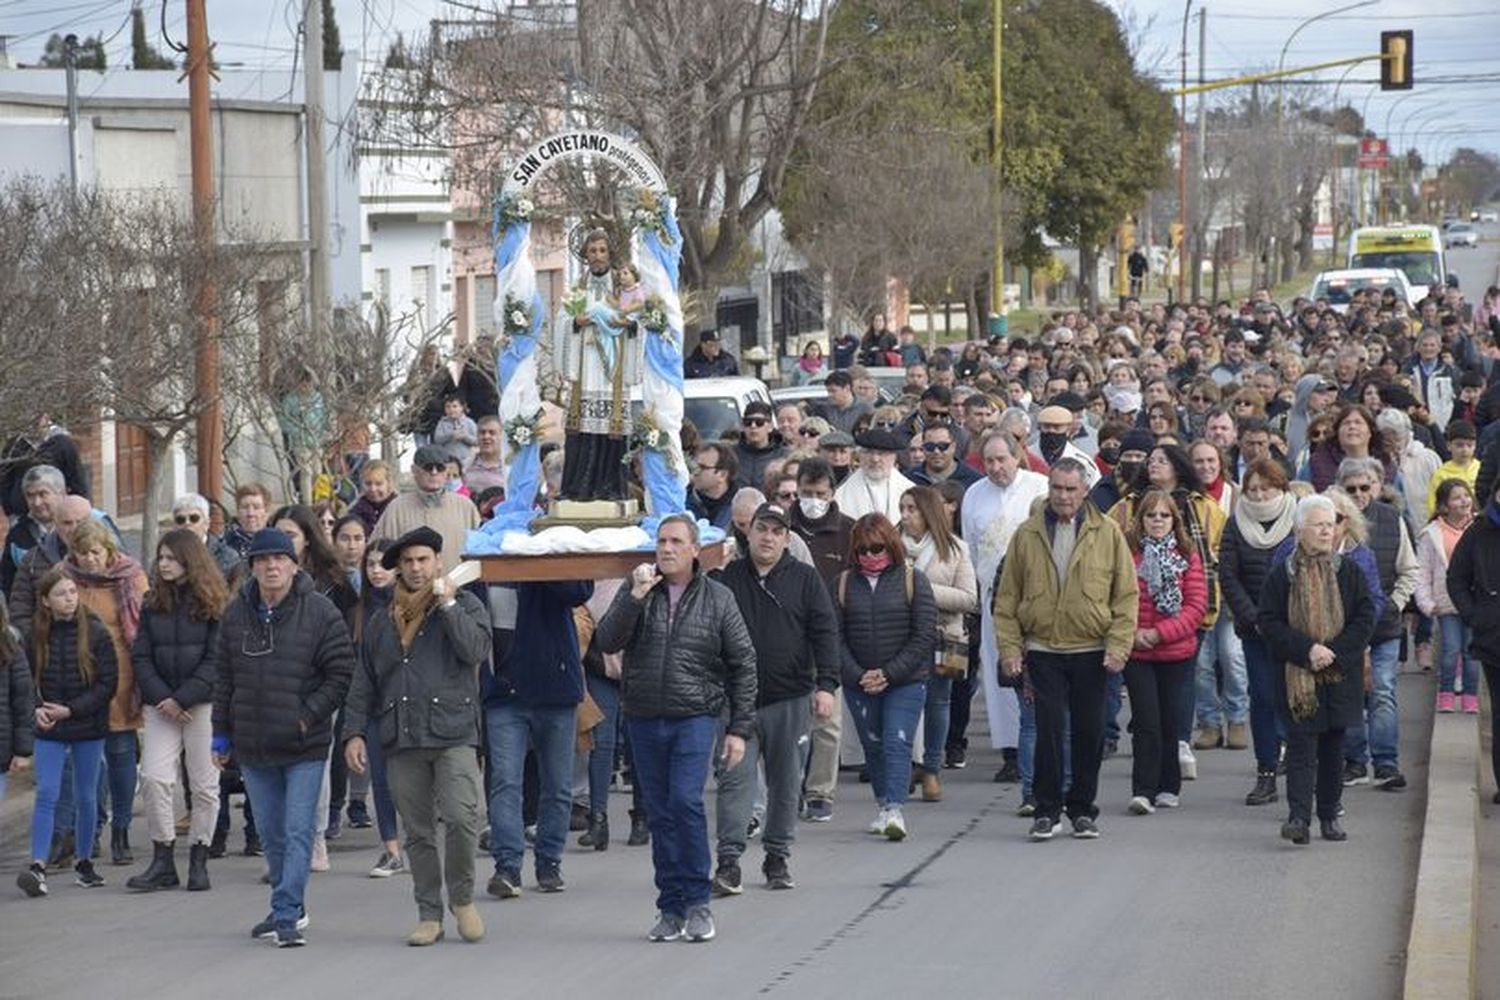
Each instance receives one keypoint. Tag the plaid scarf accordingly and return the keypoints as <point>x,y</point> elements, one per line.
<point>1316,609</point>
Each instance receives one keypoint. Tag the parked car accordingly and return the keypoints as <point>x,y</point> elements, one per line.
<point>1339,286</point>
<point>1461,234</point>
<point>714,405</point>
<point>888,382</point>
<point>1489,215</point>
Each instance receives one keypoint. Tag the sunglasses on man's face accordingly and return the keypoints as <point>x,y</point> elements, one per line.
<point>755,421</point>
<point>933,447</point>
<point>187,518</point>
<point>435,467</point>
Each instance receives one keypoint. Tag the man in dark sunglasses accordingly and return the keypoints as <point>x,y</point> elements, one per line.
<point>190,511</point>
<point>433,506</point>
<point>940,459</point>
<point>759,444</point>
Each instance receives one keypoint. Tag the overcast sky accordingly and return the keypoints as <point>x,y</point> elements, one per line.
<point>1454,39</point>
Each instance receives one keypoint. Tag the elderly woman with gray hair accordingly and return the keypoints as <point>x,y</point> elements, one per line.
<point>1415,465</point>
<point>1317,616</point>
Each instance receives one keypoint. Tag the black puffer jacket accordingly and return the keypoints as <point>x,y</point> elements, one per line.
<point>17,707</point>
<point>61,682</point>
<point>175,656</point>
<point>881,632</point>
<point>1242,574</point>
<point>280,681</point>
<point>1474,585</point>
<point>695,665</point>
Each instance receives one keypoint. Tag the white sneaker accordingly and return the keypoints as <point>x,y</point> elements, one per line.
<point>1166,800</point>
<point>878,824</point>
<point>1187,761</point>
<point>1141,806</point>
<point>895,825</point>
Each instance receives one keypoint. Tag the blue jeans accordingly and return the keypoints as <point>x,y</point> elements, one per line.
<point>672,759</point>
<point>380,785</point>
<point>285,799</point>
<point>935,722</point>
<point>1376,740</point>
<point>1456,636</point>
<point>1112,704</point>
<point>120,751</point>
<point>886,724</point>
<point>87,757</point>
<point>606,694</point>
<point>551,732</point>
<point>1260,672</point>
<point>1026,752</point>
<point>1221,650</point>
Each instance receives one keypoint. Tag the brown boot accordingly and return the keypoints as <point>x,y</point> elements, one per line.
<point>428,932</point>
<point>932,787</point>
<point>470,924</point>
<point>1239,736</point>
<point>1207,739</point>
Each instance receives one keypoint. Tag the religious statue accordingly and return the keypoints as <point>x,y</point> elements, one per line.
<point>597,353</point>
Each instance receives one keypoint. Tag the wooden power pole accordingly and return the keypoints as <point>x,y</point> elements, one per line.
<point>317,192</point>
<point>210,431</point>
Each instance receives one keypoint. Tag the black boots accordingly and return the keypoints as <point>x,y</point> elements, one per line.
<point>162,873</point>
<point>640,830</point>
<point>62,853</point>
<point>597,835</point>
<point>197,868</point>
<point>119,845</point>
<point>219,846</point>
<point>1264,791</point>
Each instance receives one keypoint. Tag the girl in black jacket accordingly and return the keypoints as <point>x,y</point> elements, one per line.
<point>889,630</point>
<point>176,659</point>
<point>74,670</point>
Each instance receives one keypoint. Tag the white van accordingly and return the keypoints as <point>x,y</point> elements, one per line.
<point>714,404</point>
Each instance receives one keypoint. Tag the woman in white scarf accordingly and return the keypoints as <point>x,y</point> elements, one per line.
<point>933,548</point>
<point>1263,518</point>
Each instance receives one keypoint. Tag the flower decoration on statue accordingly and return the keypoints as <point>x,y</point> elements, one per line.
<point>522,430</point>
<point>510,209</point>
<point>653,319</point>
<point>650,213</point>
<point>648,435</point>
<point>576,303</point>
<point>517,317</point>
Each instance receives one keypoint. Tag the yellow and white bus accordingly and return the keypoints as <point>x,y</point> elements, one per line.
<point>1416,250</point>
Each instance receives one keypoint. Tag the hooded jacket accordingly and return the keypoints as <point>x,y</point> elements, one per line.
<point>1297,417</point>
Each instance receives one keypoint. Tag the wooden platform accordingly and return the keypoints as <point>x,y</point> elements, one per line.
<point>579,565</point>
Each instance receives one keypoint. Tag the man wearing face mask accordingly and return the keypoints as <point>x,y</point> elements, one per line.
<point>876,487</point>
<point>1134,447</point>
<point>1054,430</point>
<point>817,521</point>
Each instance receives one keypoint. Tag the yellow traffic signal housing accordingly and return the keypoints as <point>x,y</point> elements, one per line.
<point>1395,60</point>
<point>1176,233</point>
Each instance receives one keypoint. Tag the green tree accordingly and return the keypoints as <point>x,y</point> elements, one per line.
<point>333,50</point>
<point>143,55</point>
<point>88,53</point>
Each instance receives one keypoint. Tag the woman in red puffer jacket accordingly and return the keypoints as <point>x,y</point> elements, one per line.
<point>1173,598</point>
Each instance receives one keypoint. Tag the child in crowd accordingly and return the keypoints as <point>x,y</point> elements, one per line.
<point>74,671</point>
<point>377,490</point>
<point>456,433</point>
<point>1462,441</point>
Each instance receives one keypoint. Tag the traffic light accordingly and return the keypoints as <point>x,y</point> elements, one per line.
<point>1395,60</point>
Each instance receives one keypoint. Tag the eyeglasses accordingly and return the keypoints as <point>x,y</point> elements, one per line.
<point>1360,487</point>
<point>434,466</point>
<point>886,424</point>
<point>787,495</point>
<point>935,447</point>
<point>808,432</point>
<point>707,468</point>
<point>937,416</point>
<point>869,550</point>
<point>1195,398</point>
<point>1155,514</point>
<point>755,421</point>
<point>187,518</point>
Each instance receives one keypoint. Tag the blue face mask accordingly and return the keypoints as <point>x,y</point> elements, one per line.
<point>454,484</point>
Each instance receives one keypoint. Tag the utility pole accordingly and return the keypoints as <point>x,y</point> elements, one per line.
<point>997,281</point>
<point>1182,205</point>
<point>1200,223</point>
<point>70,63</point>
<point>210,429</point>
<point>317,200</point>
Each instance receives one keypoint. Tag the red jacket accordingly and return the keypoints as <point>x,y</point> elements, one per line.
<point>1179,633</point>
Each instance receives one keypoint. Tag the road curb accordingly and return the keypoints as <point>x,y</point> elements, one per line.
<point>1440,952</point>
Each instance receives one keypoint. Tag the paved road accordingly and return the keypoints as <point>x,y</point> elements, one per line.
<point>1206,901</point>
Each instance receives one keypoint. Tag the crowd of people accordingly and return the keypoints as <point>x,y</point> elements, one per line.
<point>1241,520</point>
